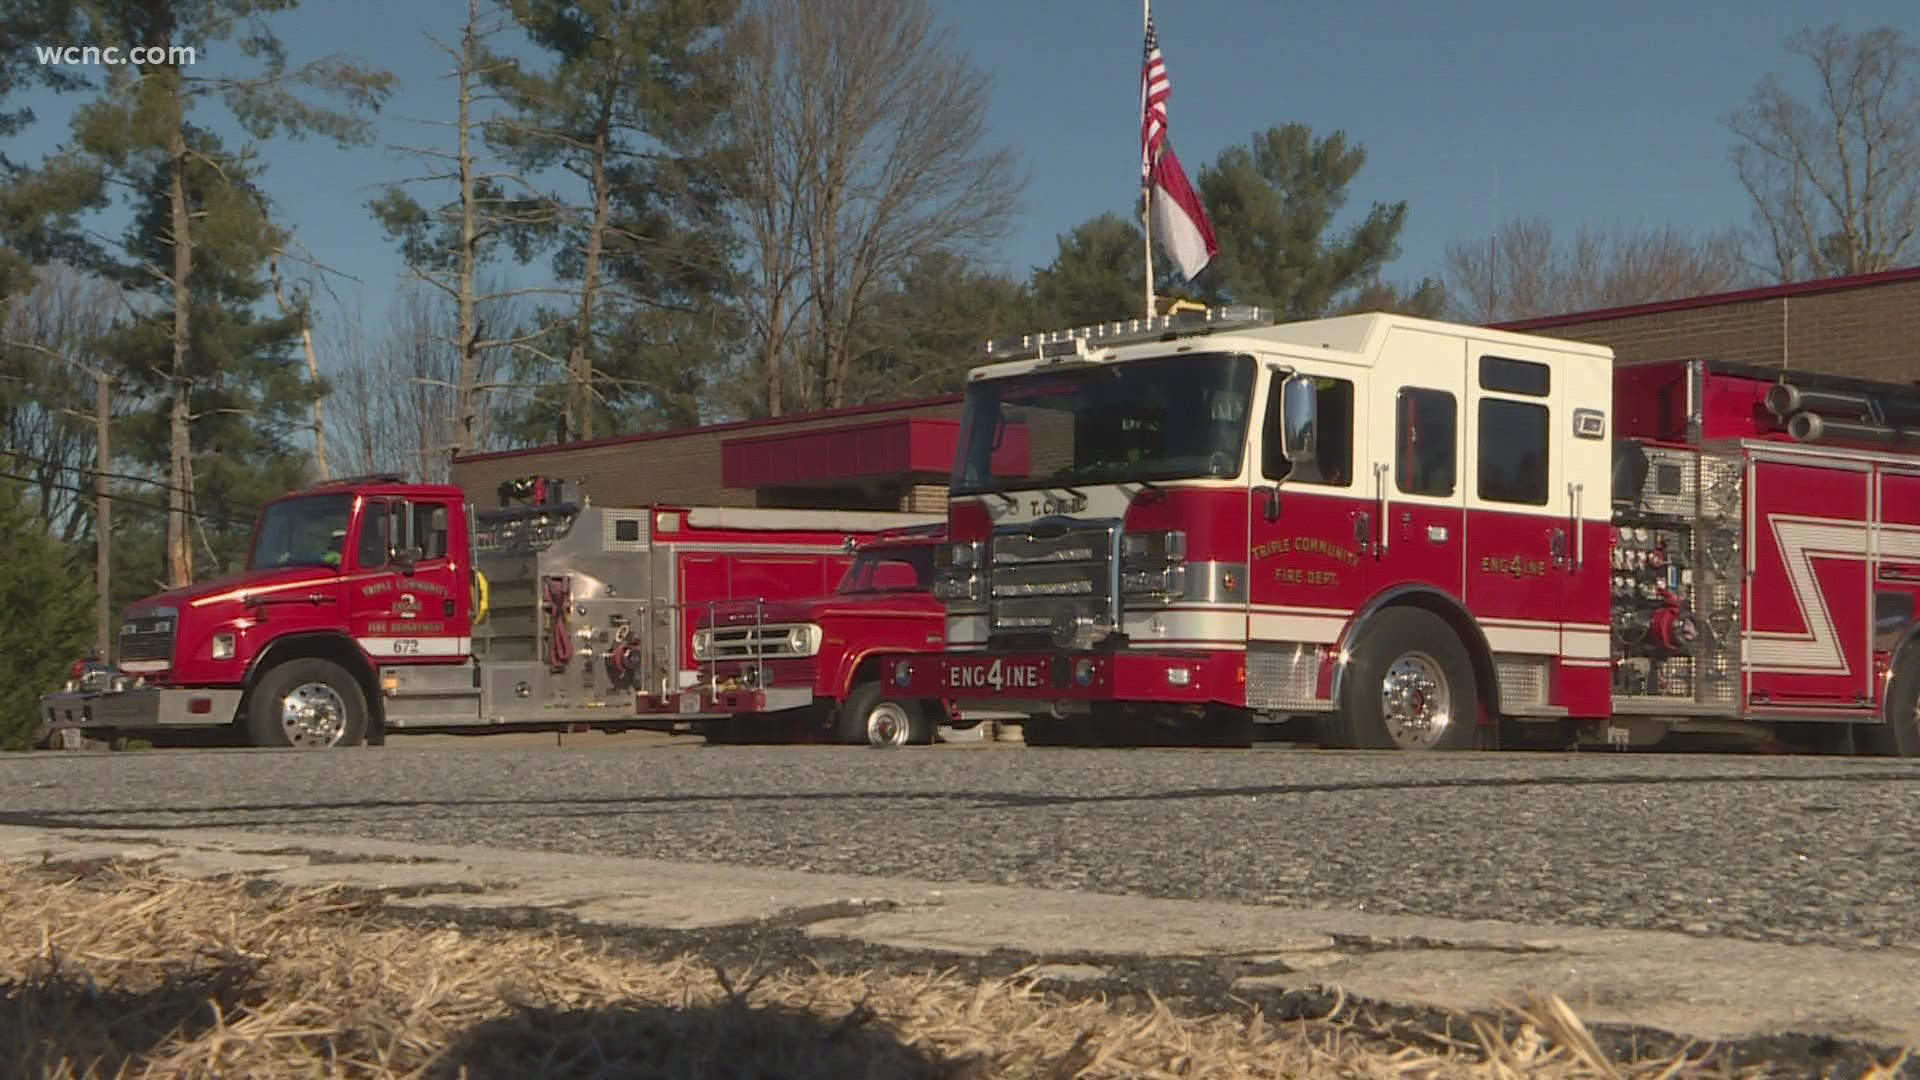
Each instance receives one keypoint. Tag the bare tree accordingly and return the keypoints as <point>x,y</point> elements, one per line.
<point>1835,179</point>
<point>299,309</point>
<point>448,246</point>
<point>50,372</point>
<point>396,393</point>
<point>861,137</point>
<point>1525,270</point>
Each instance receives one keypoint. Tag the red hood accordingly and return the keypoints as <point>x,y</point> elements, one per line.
<point>238,586</point>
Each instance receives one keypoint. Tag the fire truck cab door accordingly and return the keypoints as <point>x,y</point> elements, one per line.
<point>1307,520</point>
<point>1414,463</point>
<point>1538,521</point>
<point>410,599</point>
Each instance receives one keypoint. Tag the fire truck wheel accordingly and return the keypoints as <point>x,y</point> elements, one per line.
<point>867,719</point>
<point>1409,686</point>
<point>307,704</point>
<point>1899,736</point>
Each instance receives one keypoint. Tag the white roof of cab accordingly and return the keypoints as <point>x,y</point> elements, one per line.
<point>1360,337</point>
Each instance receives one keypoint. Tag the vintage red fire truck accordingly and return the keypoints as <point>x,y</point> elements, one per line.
<point>1412,534</point>
<point>812,667</point>
<point>371,605</point>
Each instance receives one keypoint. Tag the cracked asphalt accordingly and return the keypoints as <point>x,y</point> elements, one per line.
<point>1767,848</point>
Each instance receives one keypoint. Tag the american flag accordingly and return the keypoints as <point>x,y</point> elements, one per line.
<point>1154,91</point>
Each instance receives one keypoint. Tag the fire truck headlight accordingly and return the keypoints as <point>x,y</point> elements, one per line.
<point>804,640</point>
<point>1083,672</point>
<point>902,673</point>
<point>223,646</point>
<point>1167,546</point>
<point>957,587</point>
<point>959,555</point>
<point>702,644</point>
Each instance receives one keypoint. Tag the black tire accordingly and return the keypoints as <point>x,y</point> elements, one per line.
<point>868,719</point>
<point>1433,681</point>
<point>335,705</point>
<point>1899,733</point>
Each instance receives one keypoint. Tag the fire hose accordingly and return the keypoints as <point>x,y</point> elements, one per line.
<point>559,641</point>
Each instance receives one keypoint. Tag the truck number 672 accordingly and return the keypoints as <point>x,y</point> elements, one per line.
<point>406,646</point>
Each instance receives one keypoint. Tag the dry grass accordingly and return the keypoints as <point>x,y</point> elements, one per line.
<point>125,971</point>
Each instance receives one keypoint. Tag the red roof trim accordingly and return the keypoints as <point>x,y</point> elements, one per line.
<point>1743,296</point>
<point>730,425</point>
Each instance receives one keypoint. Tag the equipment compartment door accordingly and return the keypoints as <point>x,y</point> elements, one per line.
<point>1809,627</point>
<point>1896,565</point>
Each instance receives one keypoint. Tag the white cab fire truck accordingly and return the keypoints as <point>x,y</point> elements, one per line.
<point>1412,534</point>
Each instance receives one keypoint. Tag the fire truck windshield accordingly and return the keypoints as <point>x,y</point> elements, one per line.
<point>891,568</point>
<point>1167,418</point>
<point>308,531</point>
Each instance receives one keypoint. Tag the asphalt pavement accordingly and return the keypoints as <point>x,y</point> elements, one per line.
<point>1778,849</point>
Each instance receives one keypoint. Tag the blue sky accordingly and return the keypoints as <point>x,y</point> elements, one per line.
<point>1473,112</point>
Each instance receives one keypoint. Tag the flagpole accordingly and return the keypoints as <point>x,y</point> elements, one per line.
<point>1146,179</point>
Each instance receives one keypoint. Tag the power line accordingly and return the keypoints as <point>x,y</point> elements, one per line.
<point>123,500</point>
<point>71,467</point>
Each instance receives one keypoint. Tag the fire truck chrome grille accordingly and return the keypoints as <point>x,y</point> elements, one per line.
<point>1037,577</point>
<point>147,637</point>
<point>768,642</point>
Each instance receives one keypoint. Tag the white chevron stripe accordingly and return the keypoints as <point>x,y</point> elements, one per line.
<point>1801,541</point>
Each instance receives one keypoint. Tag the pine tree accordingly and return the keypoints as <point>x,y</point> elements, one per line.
<point>189,191</point>
<point>625,107</point>
<point>49,617</point>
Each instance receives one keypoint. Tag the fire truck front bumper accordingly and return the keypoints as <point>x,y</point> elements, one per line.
<point>705,703</point>
<point>1038,682</point>
<point>136,708</point>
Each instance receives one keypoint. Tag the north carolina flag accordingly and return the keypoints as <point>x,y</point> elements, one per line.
<point>1177,218</point>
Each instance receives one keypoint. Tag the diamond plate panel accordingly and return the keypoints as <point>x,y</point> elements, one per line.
<point>1284,678</point>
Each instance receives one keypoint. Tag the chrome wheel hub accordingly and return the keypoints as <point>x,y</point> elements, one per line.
<point>887,725</point>
<point>313,715</point>
<point>1416,702</point>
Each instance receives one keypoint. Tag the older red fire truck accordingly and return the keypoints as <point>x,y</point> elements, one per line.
<point>1412,534</point>
<point>371,605</point>
<point>803,668</point>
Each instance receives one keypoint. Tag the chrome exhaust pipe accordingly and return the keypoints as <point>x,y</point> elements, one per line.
<point>1786,399</point>
<point>1809,427</point>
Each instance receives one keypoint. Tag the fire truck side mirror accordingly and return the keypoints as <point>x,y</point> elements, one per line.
<point>1299,418</point>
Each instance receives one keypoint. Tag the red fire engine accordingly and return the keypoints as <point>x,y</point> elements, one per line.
<point>805,667</point>
<point>371,605</point>
<point>1411,534</point>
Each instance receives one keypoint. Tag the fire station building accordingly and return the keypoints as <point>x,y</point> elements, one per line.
<point>897,456</point>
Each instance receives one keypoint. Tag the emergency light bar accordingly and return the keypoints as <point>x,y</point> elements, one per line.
<point>1083,340</point>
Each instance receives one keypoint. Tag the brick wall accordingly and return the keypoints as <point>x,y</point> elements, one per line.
<point>1864,327</point>
<point>1868,327</point>
<point>673,467</point>
<point>925,499</point>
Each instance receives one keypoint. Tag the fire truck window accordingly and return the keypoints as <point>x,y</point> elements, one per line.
<point>1332,463</point>
<point>373,536</point>
<point>430,529</point>
<point>1425,444</point>
<point>1515,376</point>
<point>1513,452</point>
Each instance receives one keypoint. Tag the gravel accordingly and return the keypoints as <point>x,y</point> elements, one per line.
<point>1770,848</point>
